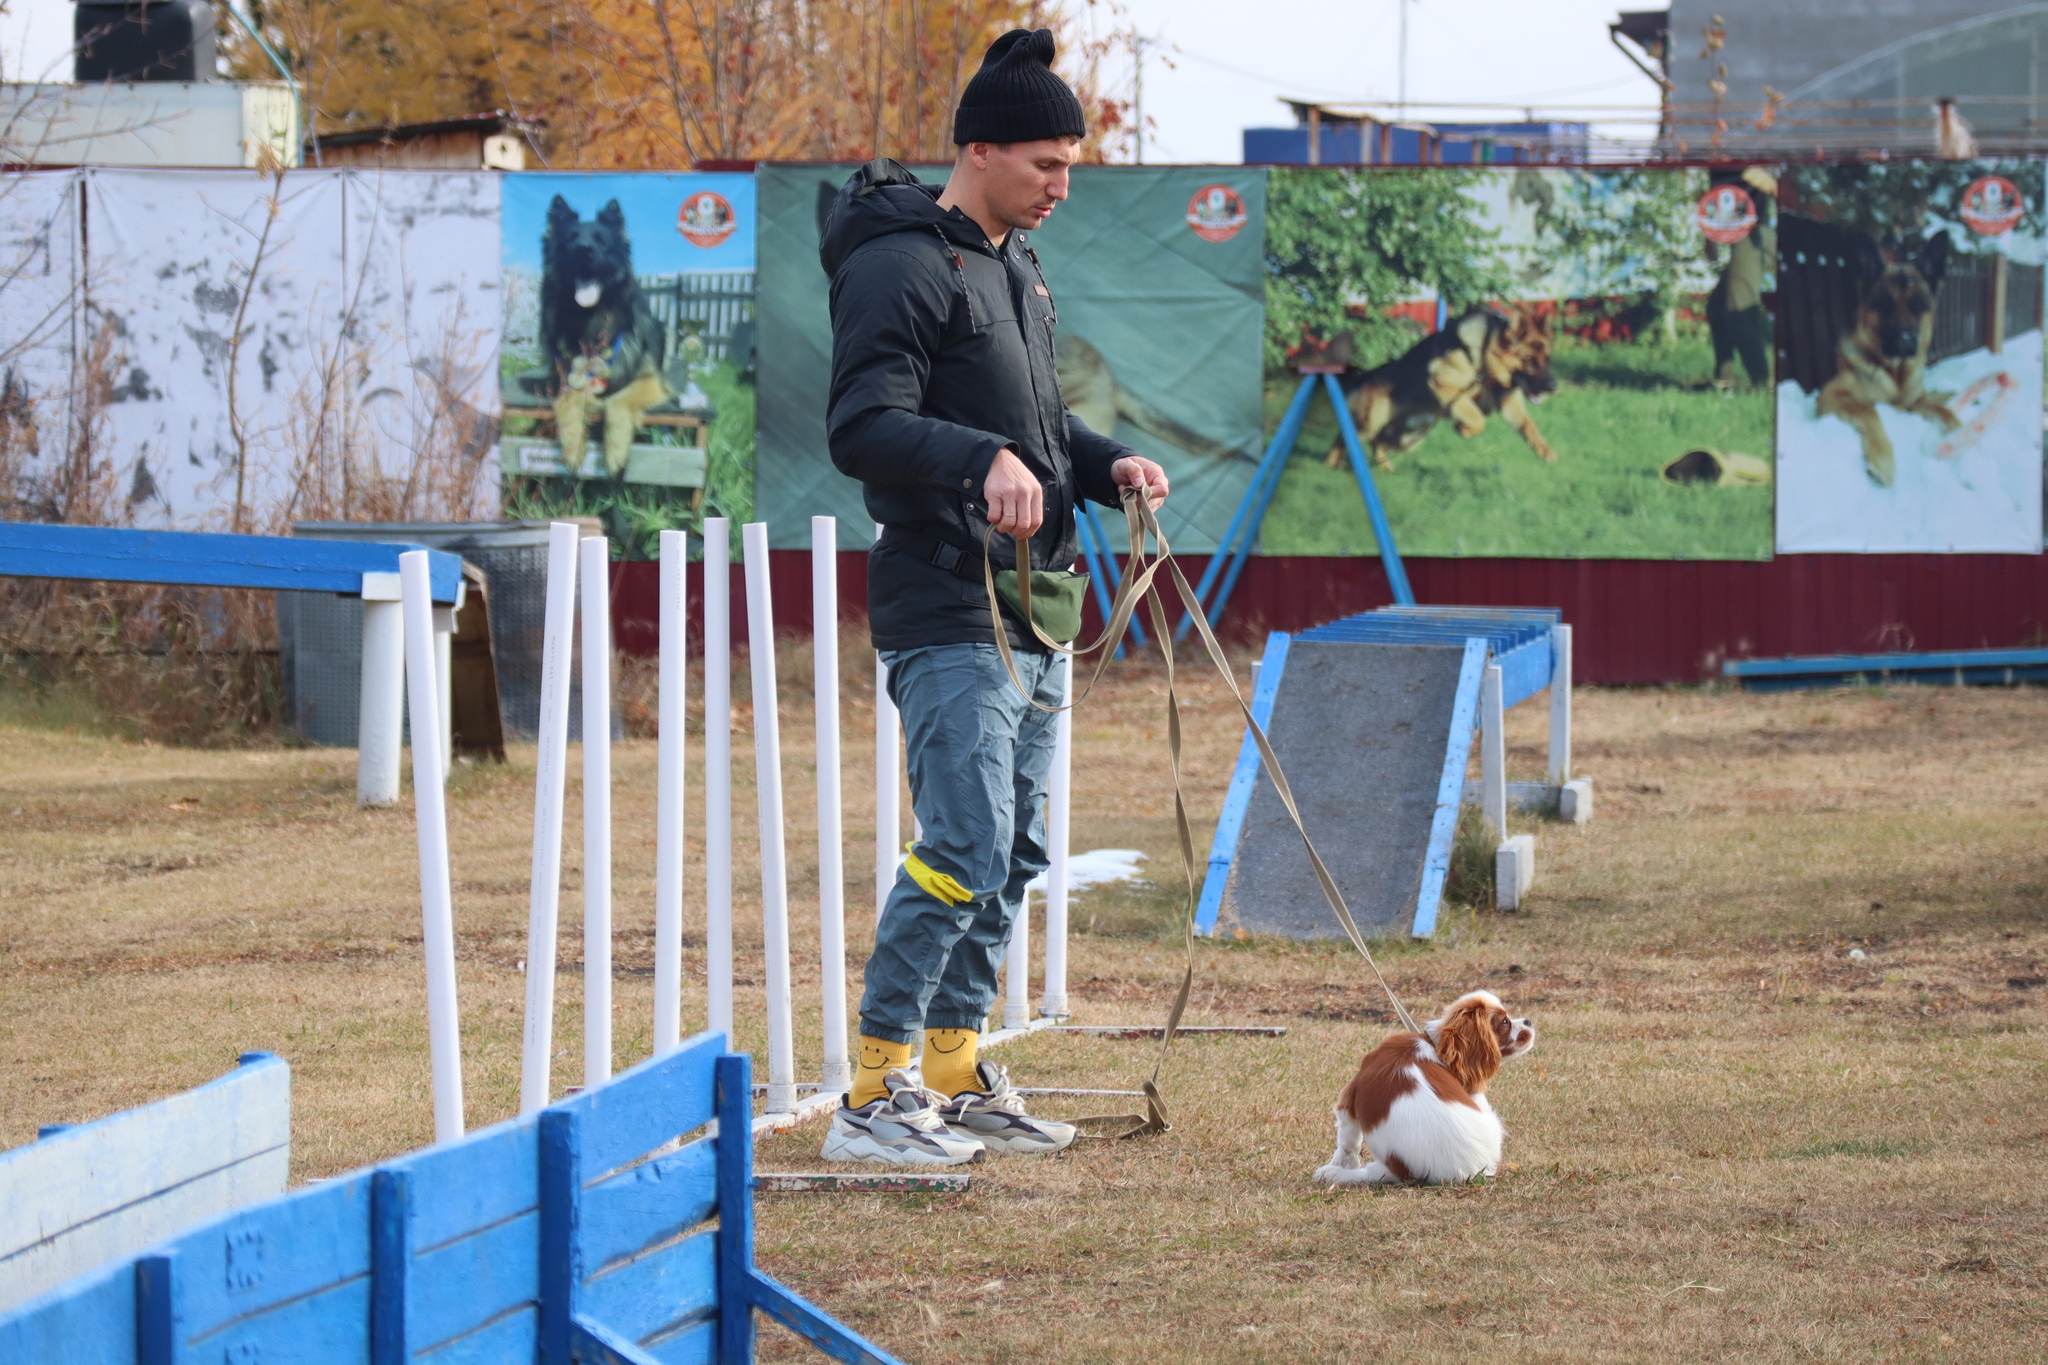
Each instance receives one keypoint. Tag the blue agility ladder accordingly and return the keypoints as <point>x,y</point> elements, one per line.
<point>582,1233</point>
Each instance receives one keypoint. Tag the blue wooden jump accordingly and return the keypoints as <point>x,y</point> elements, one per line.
<point>1956,667</point>
<point>1521,640</point>
<point>33,550</point>
<point>580,1233</point>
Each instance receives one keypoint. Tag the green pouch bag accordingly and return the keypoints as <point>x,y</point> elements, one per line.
<point>1056,600</point>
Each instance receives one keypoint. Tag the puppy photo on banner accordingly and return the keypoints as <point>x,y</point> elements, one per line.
<point>627,361</point>
<point>1540,362</point>
<point>1909,358</point>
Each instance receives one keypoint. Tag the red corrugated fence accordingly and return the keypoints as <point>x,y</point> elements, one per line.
<point>1634,621</point>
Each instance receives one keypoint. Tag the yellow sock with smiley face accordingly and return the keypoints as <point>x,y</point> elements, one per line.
<point>949,1060</point>
<point>878,1057</point>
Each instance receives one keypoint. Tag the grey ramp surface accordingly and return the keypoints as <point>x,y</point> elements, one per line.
<point>1361,731</point>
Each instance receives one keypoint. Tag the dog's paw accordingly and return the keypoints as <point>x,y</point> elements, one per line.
<point>1545,453</point>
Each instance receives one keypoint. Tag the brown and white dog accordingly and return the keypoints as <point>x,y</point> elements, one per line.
<point>1418,1103</point>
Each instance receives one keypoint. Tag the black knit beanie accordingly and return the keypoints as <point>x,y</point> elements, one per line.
<point>1015,97</point>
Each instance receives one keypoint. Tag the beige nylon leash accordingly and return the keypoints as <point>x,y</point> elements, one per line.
<point>1138,585</point>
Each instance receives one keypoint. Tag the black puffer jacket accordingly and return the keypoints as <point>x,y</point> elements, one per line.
<point>942,354</point>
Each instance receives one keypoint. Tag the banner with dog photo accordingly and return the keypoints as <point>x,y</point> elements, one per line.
<point>1540,362</point>
<point>627,359</point>
<point>1910,358</point>
<point>1156,273</point>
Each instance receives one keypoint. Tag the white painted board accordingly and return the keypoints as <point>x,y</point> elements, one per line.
<point>77,1200</point>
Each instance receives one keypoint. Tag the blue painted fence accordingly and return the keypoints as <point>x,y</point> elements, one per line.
<point>582,1233</point>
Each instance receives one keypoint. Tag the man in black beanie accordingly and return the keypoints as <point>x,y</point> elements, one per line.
<point>946,406</point>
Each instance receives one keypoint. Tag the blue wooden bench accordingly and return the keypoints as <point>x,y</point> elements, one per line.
<point>1941,668</point>
<point>581,1233</point>
<point>87,1194</point>
<point>364,569</point>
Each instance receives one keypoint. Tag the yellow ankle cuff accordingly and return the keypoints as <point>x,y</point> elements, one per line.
<point>878,1057</point>
<point>949,1060</point>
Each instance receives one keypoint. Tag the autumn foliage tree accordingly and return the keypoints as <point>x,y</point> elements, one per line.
<point>649,84</point>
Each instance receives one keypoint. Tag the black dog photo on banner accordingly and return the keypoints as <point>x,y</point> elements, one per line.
<point>627,365</point>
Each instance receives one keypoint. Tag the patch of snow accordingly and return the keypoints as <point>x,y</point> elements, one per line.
<point>1097,867</point>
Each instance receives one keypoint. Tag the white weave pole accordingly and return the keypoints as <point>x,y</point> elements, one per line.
<point>594,569</point>
<point>670,796</point>
<point>551,772</point>
<point>837,1076</point>
<point>718,776</point>
<point>1017,969</point>
<point>1058,823</point>
<point>430,807</point>
<point>888,762</point>
<point>768,791</point>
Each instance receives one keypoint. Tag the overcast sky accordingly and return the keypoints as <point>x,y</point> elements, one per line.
<point>1221,64</point>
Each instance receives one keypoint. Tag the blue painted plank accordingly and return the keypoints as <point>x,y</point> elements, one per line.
<point>639,1298</point>
<point>695,1343</point>
<point>734,1098</point>
<point>815,1325</point>
<point>390,1265</point>
<point>561,1274</point>
<point>32,550</point>
<point>101,1191</point>
<point>640,1109</point>
<point>486,1178</point>
<point>293,1247</point>
<point>514,1336</point>
<point>649,1203</point>
<point>1938,677</point>
<point>1524,670</point>
<point>1244,779</point>
<point>1879,663</point>
<point>328,1328</point>
<point>595,1344</point>
<point>463,1284</point>
<point>90,1321</point>
<point>1443,825</point>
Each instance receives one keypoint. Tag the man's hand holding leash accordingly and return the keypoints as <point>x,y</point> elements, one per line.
<point>1016,498</point>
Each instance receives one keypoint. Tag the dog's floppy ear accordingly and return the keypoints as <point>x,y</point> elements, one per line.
<point>1467,1045</point>
<point>612,216</point>
<point>1932,263</point>
<point>560,215</point>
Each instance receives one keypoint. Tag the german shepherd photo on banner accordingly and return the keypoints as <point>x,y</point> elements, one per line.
<point>1539,361</point>
<point>1909,358</point>
<point>1482,363</point>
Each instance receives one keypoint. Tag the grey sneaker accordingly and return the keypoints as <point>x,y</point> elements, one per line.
<point>994,1116</point>
<point>903,1130</point>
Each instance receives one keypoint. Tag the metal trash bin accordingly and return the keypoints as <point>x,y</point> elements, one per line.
<point>320,636</point>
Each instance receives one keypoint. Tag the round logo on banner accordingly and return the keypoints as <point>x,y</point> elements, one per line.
<point>1992,205</point>
<point>1216,213</point>
<point>706,219</point>
<point>1725,214</point>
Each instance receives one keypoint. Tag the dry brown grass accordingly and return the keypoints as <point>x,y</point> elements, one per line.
<point>1734,1141</point>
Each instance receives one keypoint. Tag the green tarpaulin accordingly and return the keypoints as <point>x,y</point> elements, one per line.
<point>1159,281</point>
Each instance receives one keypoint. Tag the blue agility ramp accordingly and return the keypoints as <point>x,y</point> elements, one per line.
<point>1373,718</point>
<point>581,1233</point>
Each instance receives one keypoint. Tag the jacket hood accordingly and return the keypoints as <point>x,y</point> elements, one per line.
<point>884,197</point>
